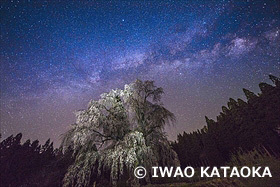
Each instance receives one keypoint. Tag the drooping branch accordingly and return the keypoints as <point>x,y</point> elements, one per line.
<point>132,121</point>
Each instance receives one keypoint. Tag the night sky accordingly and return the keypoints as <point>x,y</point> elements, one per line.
<point>57,55</point>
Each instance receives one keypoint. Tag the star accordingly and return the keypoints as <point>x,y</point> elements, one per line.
<point>56,57</point>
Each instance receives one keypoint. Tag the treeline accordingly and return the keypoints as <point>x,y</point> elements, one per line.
<point>240,125</point>
<point>31,164</point>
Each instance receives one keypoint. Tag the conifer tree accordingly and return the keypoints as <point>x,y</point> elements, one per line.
<point>275,80</point>
<point>249,95</point>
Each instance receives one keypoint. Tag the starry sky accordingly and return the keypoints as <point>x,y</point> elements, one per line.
<point>58,55</point>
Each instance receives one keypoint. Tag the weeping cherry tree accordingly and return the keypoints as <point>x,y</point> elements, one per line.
<point>120,131</point>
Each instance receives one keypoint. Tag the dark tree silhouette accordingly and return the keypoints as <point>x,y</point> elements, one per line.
<point>30,164</point>
<point>242,124</point>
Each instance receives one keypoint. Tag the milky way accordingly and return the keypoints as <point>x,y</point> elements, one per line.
<point>57,55</point>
